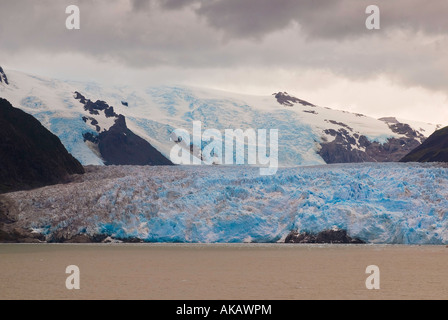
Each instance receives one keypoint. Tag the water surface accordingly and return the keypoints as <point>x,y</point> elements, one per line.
<point>237,271</point>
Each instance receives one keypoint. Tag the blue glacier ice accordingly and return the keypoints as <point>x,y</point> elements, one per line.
<point>378,203</point>
<point>70,131</point>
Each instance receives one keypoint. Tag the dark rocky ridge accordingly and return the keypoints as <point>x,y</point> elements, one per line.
<point>30,155</point>
<point>327,236</point>
<point>434,149</point>
<point>118,145</point>
<point>3,77</point>
<point>94,108</point>
<point>286,100</point>
<point>93,122</point>
<point>342,150</point>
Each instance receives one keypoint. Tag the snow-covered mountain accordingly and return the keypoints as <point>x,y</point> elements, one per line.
<point>375,203</point>
<point>308,134</point>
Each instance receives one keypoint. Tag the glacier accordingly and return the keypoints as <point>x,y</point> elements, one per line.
<point>388,203</point>
<point>155,112</point>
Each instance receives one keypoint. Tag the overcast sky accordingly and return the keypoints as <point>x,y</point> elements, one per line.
<point>318,50</point>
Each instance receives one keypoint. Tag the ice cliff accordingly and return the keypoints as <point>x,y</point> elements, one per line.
<point>377,203</point>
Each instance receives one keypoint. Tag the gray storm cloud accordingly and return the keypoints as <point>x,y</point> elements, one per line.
<point>288,34</point>
<point>326,19</point>
<point>166,4</point>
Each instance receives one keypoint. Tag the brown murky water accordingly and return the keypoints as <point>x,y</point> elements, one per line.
<point>243,271</point>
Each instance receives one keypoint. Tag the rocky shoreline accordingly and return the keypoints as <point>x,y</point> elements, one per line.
<point>326,236</point>
<point>9,233</point>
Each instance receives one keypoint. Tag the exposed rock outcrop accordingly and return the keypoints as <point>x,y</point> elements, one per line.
<point>286,100</point>
<point>3,77</point>
<point>327,236</point>
<point>120,146</point>
<point>434,149</point>
<point>349,146</point>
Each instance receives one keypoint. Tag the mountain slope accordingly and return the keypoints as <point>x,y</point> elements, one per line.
<point>120,146</point>
<point>434,149</point>
<point>116,144</point>
<point>30,155</point>
<point>308,134</point>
